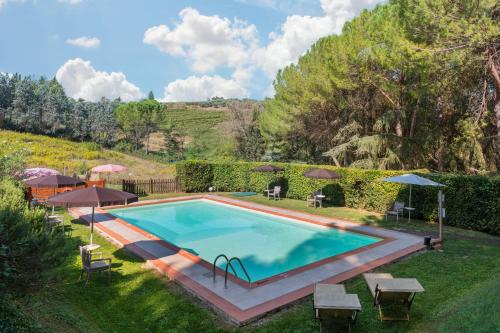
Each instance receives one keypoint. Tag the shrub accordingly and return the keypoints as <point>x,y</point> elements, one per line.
<point>13,320</point>
<point>27,246</point>
<point>472,202</point>
<point>92,146</point>
<point>124,147</point>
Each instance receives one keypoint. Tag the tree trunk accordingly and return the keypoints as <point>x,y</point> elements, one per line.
<point>413,122</point>
<point>495,72</point>
<point>335,161</point>
<point>399,128</point>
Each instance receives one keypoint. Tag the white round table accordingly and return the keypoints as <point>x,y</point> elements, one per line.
<point>320,196</point>
<point>91,247</point>
<point>409,209</point>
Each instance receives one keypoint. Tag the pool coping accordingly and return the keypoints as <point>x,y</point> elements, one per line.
<point>217,298</point>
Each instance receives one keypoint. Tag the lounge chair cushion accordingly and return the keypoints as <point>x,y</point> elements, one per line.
<point>373,278</point>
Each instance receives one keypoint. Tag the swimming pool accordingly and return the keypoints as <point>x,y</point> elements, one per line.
<point>267,244</point>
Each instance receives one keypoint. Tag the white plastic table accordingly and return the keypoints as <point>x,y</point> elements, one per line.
<point>320,196</point>
<point>91,247</point>
<point>409,209</point>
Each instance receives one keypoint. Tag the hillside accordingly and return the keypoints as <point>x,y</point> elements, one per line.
<point>207,132</point>
<point>77,157</point>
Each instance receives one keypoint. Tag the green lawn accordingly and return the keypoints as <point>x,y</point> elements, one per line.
<point>462,285</point>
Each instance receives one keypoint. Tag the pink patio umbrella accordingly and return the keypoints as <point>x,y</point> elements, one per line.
<point>31,173</point>
<point>109,168</point>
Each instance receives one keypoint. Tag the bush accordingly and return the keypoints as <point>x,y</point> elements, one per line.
<point>13,320</point>
<point>124,147</point>
<point>27,246</point>
<point>472,202</point>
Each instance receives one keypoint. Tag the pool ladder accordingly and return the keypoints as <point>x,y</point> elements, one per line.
<point>228,264</point>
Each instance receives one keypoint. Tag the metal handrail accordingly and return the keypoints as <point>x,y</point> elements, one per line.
<point>227,262</point>
<point>244,271</point>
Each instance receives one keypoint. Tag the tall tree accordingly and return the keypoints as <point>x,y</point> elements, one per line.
<point>102,122</point>
<point>55,108</point>
<point>78,120</point>
<point>26,107</point>
<point>139,120</point>
<point>405,85</point>
<point>8,84</point>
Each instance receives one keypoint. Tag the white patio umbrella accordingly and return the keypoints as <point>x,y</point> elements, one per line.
<point>412,179</point>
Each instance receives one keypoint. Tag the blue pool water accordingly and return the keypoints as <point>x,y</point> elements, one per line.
<point>268,245</point>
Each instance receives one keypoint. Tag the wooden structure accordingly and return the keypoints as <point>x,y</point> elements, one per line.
<point>41,194</point>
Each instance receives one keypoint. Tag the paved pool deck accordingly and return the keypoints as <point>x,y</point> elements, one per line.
<point>238,302</point>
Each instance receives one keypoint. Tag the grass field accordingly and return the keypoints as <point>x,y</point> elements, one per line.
<point>77,157</point>
<point>461,281</point>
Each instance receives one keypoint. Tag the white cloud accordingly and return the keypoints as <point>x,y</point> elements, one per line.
<point>298,33</point>
<point>210,42</point>
<point>206,41</point>
<point>196,88</point>
<point>341,10</point>
<point>86,42</point>
<point>81,80</point>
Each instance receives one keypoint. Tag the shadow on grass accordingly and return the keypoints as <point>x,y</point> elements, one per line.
<point>136,300</point>
<point>126,255</point>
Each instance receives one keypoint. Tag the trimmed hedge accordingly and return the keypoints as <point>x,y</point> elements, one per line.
<point>472,202</point>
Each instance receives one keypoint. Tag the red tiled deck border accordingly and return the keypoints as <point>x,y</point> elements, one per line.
<point>234,313</point>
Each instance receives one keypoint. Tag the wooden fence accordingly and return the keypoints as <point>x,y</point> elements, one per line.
<point>150,186</point>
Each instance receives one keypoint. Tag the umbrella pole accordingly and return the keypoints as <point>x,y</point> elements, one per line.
<point>53,205</point>
<point>92,226</point>
<point>409,206</point>
<point>440,204</point>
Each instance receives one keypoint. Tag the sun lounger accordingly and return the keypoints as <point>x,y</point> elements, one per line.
<point>394,295</point>
<point>331,301</point>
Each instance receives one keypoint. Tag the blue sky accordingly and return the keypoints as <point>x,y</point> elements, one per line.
<point>181,50</point>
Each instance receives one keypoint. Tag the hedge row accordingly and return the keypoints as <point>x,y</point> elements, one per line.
<point>472,202</point>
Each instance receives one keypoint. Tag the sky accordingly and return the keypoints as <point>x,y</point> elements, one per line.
<point>181,50</point>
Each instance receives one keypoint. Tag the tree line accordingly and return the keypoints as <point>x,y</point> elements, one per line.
<point>410,84</point>
<point>41,106</point>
